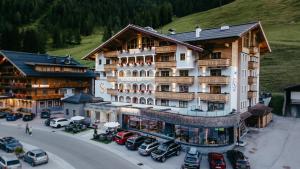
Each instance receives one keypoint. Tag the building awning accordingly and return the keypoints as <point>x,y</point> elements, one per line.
<point>260,110</point>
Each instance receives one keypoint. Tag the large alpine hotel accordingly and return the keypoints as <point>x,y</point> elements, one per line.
<point>194,86</point>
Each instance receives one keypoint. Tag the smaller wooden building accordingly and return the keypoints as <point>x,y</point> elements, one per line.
<point>261,116</point>
<point>291,106</point>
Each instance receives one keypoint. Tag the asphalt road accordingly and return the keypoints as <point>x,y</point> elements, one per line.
<point>77,153</point>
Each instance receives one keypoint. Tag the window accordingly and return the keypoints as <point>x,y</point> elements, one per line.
<point>183,104</point>
<point>67,112</point>
<point>104,74</point>
<point>182,56</point>
<point>49,103</point>
<point>74,112</point>
<point>183,73</point>
<point>165,88</point>
<point>165,73</point>
<point>165,58</point>
<point>216,55</point>
<point>215,106</point>
<point>246,40</point>
<point>107,61</point>
<point>215,72</point>
<point>215,89</point>
<point>100,61</point>
<point>147,42</point>
<point>42,104</point>
<point>45,92</point>
<point>183,88</point>
<point>132,44</point>
<point>164,102</point>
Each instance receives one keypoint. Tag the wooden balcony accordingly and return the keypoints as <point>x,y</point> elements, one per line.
<point>110,67</point>
<point>111,78</point>
<point>111,54</point>
<point>170,64</point>
<point>214,97</point>
<point>175,79</point>
<point>214,80</point>
<point>65,84</point>
<point>214,63</point>
<point>175,95</point>
<point>252,65</point>
<point>252,80</point>
<point>252,94</point>
<point>112,92</point>
<point>166,49</point>
<point>253,50</point>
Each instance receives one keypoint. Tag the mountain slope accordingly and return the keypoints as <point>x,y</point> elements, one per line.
<point>281,21</point>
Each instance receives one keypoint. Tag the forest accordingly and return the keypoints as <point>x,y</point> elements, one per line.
<point>34,25</point>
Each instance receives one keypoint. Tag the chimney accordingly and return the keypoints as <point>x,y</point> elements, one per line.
<point>198,31</point>
<point>172,31</point>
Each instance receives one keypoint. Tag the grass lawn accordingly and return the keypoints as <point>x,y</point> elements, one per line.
<point>281,21</point>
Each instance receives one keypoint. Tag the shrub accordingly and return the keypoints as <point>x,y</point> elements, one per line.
<point>277,104</point>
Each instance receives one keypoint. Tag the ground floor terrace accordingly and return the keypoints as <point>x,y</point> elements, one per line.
<point>29,105</point>
<point>190,130</point>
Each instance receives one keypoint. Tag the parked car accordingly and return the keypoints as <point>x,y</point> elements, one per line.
<point>28,116</point>
<point>121,137</point>
<point>216,161</point>
<point>238,159</point>
<point>148,146</point>
<point>13,116</point>
<point>192,159</point>
<point>9,144</point>
<point>75,127</point>
<point>59,122</point>
<point>3,114</point>
<point>134,142</point>
<point>166,150</point>
<point>9,161</point>
<point>241,143</point>
<point>36,157</point>
<point>45,114</point>
<point>47,121</point>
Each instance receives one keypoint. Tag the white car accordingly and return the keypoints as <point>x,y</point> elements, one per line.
<point>10,161</point>
<point>241,143</point>
<point>59,122</point>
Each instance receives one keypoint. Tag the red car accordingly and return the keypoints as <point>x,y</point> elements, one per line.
<point>216,161</point>
<point>122,137</point>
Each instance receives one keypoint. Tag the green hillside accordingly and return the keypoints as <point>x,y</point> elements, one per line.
<point>281,21</point>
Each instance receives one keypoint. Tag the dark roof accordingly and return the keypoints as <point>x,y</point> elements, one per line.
<point>259,110</point>
<point>25,63</point>
<point>215,33</point>
<point>293,87</point>
<point>82,98</point>
<point>146,30</point>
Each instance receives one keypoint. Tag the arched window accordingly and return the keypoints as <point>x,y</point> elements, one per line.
<point>121,73</point>
<point>135,100</point>
<point>121,99</point>
<point>150,101</point>
<point>135,73</point>
<point>142,73</point>
<point>128,99</point>
<point>142,100</point>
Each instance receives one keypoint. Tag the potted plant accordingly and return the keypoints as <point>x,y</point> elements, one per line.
<point>19,151</point>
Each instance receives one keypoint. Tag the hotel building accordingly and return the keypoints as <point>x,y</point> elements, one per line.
<point>35,82</point>
<point>194,86</point>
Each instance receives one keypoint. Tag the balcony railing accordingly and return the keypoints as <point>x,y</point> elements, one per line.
<point>252,80</point>
<point>174,95</point>
<point>111,54</point>
<point>110,67</point>
<point>252,94</point>
<point>213,97</point>
<point>166,49</point>
<point>111,78</point>
<point>175,79</point>
<point>253,50</point>
<point>214,63</point>
<point>170,64</point>
<point>214,79</point>
<point>112,92</point>
<point>252,65</point>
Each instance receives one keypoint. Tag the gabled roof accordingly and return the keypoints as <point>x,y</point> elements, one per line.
<point>81,98</point>
<point>146,31</point>
<point>260,110</point>
<point>25,63</point>
<point>217,33</point>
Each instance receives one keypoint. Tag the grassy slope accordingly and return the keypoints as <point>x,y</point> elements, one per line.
<point>88,43</point>
<point>281,21</point>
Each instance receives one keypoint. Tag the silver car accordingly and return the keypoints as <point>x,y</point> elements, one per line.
<point>148,146</point>
<point>9,161</point>
<point>36,157</point>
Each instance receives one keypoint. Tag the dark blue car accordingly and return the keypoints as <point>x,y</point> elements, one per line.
<point>11,117</point>
<point>9,144</point>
